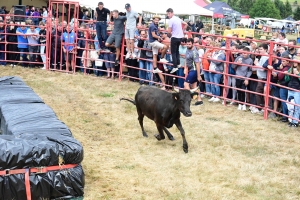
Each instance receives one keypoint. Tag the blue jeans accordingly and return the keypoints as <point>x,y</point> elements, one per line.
<point>180,72</point>
<point>24,56</point>
<point>296,96</point>
<point>101,30</point>
<point>283,93</point>
<point>149,67</point>
<point>35,21</point>
<point>145,75</point>
<point>2,55</point>
<point>207,79</point>
<point>215,78</point>
<point>142,72</point>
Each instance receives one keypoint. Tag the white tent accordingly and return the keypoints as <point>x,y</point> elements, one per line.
<point>187,7</point>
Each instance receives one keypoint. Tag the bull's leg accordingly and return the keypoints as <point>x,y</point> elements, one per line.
<point>161,135</point>
<point>185,144</point>
<point>141,118</point>
<point>170,136</point>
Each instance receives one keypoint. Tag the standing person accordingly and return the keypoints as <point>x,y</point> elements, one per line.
<point>116,35</point>
<point>262,76</point>
<point>45,14</point>
<point>101,24</point>
<point>192,68</point>
<point>175,29</point>
<point>56,47</point>
<point>180,72</point>
<point>33,38</point>
<point>2,43</point>
<point>69,38</point>
<point>22,43</point>
<point>43,34</point>
<point>243,70</point>
<point>12,45</point>
<point>35,17</point>
<point>294,83</point>
<point>130,29</point>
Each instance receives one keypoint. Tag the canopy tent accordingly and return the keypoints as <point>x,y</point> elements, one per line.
<point>221,8</point>
<point>202,3</point>
<point>289,18</point>
<point>187,7</point>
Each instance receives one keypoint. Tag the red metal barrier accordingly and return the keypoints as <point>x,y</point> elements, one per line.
<point>55,58</point>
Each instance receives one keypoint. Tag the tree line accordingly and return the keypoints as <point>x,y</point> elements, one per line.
<point>265,8</point>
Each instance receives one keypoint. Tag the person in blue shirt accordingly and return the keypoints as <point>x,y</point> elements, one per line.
<point>22,43</point>
<point>68,38</point>
<point>2,44</point>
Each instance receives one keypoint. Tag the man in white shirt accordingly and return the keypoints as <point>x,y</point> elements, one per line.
<point>176,30</point>
<point>130,30</point>
<point>45,14</point>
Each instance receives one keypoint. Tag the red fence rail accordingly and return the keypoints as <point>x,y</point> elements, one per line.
<point>85,56</point>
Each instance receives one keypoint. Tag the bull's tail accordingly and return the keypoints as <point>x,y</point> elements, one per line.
<point>130,100</point>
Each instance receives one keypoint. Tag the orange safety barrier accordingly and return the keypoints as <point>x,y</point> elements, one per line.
<point>134,69</point>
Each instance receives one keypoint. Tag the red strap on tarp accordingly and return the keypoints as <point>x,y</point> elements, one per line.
<point>34,170</point>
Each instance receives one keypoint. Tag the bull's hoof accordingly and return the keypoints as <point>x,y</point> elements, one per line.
<point>185,150</point>
<point>158,137</point>
<point>145,135</point>
<point>171,138</point>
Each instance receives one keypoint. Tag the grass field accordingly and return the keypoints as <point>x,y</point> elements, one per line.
<point>232,154</point>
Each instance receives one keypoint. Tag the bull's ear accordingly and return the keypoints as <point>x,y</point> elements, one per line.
<point>175,96</point>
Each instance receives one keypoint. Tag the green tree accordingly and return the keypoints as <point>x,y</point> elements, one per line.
<point>297,13</point>
<point>245,5</point>
<point>281,7</point>
<point>264,8</point>
<point>288,9</point>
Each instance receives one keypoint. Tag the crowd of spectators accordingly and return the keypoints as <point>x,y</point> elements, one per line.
<point>156,53</point>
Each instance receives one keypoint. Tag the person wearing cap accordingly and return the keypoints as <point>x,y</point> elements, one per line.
<point>176,30</point>
<point>101,24</point>
<point>253,45</point>
<point>116,34</point>
<point>294,83</point>
<point>130,28</point>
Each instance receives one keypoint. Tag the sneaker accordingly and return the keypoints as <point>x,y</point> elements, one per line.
<point>163,60</point>
<point>157,71</point>
<point>272,115</point>
<point>240,107</point>
<point>199,103</point>
<point>106,50</point>
<point>117,62</point>
<point>254,110</point>
<point>133,56</point>
<point>244,107</point>
<point>43,68</point>
<point>250,108</point>
<point>293,125</point>
<point>211,99</point>
<point>127,55</point>
<point>11,65</point>
<point>284,119</point>
<point>173,70</point>
<point>202,96</point>
<point>261,112</point>
<point>216,100</point>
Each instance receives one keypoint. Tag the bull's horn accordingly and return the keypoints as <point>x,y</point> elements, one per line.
<point>194,90</point>
<point>176,90</point>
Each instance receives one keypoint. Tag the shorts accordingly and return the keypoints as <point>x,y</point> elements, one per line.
<point>274,90</point>
<point>156,46</point>
<point>70,56</point>
<point>129,33</point>
<point>191,77</point>
<point>114,38</point>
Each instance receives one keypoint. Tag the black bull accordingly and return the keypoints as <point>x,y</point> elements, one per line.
<point>164,109</point>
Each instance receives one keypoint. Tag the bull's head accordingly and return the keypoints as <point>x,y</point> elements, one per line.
<point>184,98</point>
